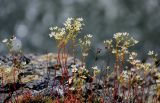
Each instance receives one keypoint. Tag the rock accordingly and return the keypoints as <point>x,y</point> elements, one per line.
<point>11,87</point>
<point>29,78</point>
<point>25,59</point>
<point>37,75</point>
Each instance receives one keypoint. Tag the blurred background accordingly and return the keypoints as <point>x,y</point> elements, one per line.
<point>30,20</point>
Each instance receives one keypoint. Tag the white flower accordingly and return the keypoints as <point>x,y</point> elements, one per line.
<point>55,28</point>
<point>59,34</point>
<point>113,51</point>
<point>119,35</point>
<point>8,70</point>
<point>135,41</point>
<point>125,72</point>
<point>74,68</point>
<point>51,28</point>
<point>108,67</point>
<point>68,23</point>
<point>95,68</point>
<point>5,40</point>
<point>83,67</point>
<point>125,75</point>
<point>108,42</point>
<point>89,36</point>
<point>14,38</point>
<point>70,80</point>
<point>80,19</point>
<point>88,42</point>
<point>133,55</point>
<point>73,24</point>
<point>84,54</point>
<point>52,34</point>
<point>150,52</point>
<point>69,19</point>
<point>77,25</point>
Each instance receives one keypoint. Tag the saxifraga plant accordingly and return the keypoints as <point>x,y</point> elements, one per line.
<point>63,36</point>
<point>131,84</point>
<point>14,47</point>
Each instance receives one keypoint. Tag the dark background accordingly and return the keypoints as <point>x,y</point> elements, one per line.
<point>30,20</point>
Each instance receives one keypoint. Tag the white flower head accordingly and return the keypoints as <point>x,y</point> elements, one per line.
<point>84,54</point>
<point>14,38</point>
<point>5,40</point>
<point>88,42</point>
<point>69,19</point>
<point>119,35</point>
<point>150,52</point>
<point>68,23</point>
<point>13,43</point>
<point>74,68</point>
<point>80,19</point>
<point>133,55</point>
<point>136,41</point>
<point>58,34</point>
<point>82,68</point>
<point>108,42</point>
<point>89,36</point>
<point>55,28</point>
<point>52,34</point>
<point>51,28</point>
<point>8,69</point>
<point>95,68</point>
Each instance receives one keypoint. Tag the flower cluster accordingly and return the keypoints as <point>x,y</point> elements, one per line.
<point>13,44</point>
<point>70,30</point>
<point>74,24</point>
<point>130,78</point>
<point>79,76</point>
<point>74,68</point>
<point>108,44</point>
<point>133,59</point>
<point>146,67</point>
<point>122,43</point>
<point>153,55</point>
<point>95,71</point>
<point>124,77</point>
<point>125,39</point>
<point>85,44</point>
<point>57,33</point>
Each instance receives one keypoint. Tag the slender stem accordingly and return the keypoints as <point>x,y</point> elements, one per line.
<point>73,50</point>
<point>115,75</point>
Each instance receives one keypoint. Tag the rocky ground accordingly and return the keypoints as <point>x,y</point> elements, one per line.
<point>36,75</point>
